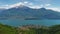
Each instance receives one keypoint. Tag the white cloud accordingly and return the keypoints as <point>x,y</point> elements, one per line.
<point>13,5</point>
<point>25,2</point>
<point>55,9</point>
<point>47,5</point>
<point>29,4</point>
<point>4,6</point>
<point>35,7</point>
<point>18,4</point>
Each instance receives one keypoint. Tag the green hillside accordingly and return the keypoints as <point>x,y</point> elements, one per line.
<point>55,29</point>
<point>5,29</point>
<point>29,29</point>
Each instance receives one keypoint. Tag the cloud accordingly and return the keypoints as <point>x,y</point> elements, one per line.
<point>31,5</point>
<point>35,7</point>
<point>25,2</point>
<point>47,5</point>
<point>11,6</point>
<point>17,4</point>
<point>55,9</point>
<point>4,6</point>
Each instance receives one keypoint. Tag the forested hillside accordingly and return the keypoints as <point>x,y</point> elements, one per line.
<point>29,29</point>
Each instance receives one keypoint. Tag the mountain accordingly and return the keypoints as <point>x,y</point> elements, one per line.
<point>2,9</point>
<point>24,12</point>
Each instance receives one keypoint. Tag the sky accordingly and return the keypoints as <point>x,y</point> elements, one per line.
<point>49,4</point>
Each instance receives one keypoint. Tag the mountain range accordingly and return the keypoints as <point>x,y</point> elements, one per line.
<point>26,13</point>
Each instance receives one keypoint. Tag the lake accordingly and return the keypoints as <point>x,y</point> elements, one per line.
<point>18,22</point>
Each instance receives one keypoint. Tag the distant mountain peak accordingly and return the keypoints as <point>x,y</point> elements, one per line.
<point>43,8</point>
<point>24,12</point>
<point>19,6</point>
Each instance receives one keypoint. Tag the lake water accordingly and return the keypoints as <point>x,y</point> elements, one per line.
<point>18,22</point>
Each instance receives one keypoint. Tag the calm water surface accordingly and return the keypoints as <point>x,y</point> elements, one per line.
<point>18,22</point>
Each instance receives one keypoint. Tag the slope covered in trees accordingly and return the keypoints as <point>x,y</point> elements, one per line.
<point>29,29</point>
